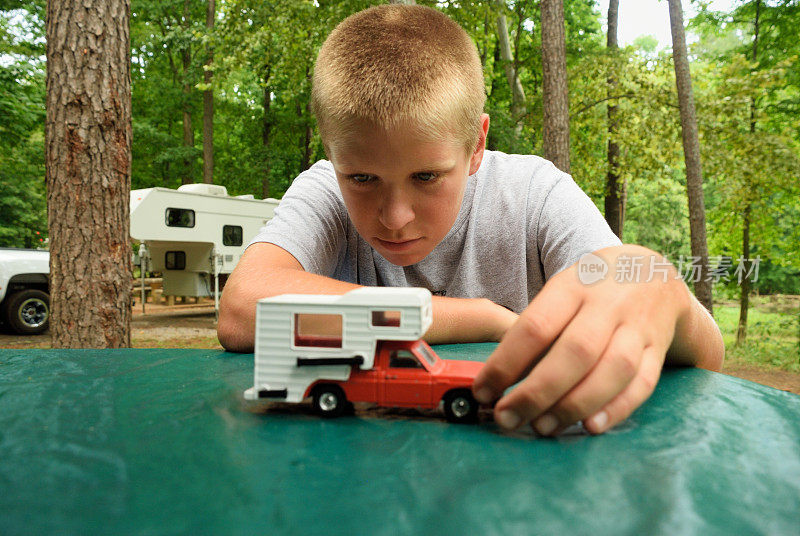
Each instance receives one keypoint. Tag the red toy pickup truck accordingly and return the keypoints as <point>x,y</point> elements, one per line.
<point>405,374</point>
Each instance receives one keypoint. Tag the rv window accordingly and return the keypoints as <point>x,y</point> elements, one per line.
<point>231,235</point>
<point>386,318</point>
<point>175,260</point>
<point>318,330</point>
<point>403,359</point>
<point>180,217</point>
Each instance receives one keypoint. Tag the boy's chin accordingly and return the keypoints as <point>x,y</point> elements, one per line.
<point>402,259</point>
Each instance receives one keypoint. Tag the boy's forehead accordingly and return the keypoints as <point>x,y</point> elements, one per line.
<point>366,145</point>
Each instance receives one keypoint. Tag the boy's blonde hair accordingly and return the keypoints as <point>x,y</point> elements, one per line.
<point>394,65</point>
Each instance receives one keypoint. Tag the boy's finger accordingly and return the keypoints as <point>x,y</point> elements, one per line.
<point>639,390</point>
<point>573,355</point>
<point>615,370</point>
<point>533,332</point>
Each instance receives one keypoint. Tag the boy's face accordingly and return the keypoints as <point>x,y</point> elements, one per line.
<point>402,192</point>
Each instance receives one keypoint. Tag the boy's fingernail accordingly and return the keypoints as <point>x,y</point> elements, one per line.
<point>484,395</point>
<point>600,420</point>
<point>546,424</point>
<point>508,419</point>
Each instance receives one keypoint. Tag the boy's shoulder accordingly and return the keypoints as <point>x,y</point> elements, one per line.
<point>519,174</point>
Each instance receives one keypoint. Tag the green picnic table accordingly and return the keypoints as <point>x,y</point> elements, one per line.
<point>162,442</point>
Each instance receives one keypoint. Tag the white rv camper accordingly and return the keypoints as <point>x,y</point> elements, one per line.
<point>194,234</point>
<point>332,333</point>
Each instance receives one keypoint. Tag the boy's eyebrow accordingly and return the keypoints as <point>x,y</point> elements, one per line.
<point>444,165</point>
<point>441,166</point>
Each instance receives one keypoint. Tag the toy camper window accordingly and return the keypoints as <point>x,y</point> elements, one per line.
<point>175,260</point>
<point>318,330</point>
<point>180,217</point>
<point>231,235</point>
<point>386,319</point>
<point>403,359</point>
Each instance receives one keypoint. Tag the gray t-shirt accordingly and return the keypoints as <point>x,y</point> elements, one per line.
<point>521,221</point>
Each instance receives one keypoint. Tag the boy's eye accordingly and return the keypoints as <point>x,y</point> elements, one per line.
<point>426,176</point>
<point>360,178</point>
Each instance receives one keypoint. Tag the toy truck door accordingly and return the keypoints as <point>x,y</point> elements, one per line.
<point>406,382</point>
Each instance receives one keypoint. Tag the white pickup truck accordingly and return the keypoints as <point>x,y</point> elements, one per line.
<point>24,288</point>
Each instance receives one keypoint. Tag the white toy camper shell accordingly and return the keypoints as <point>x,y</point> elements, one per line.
<point>304,338</point>
<point>195,233</point>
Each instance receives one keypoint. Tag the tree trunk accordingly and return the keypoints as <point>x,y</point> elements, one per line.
<point>88,171</point>
<point>614,200</point>
<point>555,93</point>
<point>744,301</point>
<point>308,134</point>
<point>491,138</point>
<point>266,130</point>
<point>188,133</point>
<point>208,104</point>
<point>744,298</point>
<point>691,152</point>
<point>517,92</point>
<point>308,131</point>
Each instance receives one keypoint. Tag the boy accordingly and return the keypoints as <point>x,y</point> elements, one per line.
<point>410,197</point>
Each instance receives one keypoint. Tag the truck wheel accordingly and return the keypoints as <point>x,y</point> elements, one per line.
<point>460,407</point>
<point>28,311</point>
<point>329,401</point>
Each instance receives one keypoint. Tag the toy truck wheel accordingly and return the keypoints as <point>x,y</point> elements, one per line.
<point>460,407</point>
<point>329,401</point>
<point>28,311</point>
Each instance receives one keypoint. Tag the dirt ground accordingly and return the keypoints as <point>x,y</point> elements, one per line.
<point>192,325</point>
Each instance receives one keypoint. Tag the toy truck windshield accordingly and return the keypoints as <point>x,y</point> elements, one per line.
<point>426,353</point>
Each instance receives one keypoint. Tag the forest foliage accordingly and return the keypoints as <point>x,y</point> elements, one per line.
<point>748,110</point>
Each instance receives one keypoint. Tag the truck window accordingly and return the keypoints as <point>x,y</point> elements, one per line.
<point>387,319</point>
<point>180,217</point>
<point>403,359</point>
<point>175,260</point>
<point>231,235</point>
<point>318,330</point>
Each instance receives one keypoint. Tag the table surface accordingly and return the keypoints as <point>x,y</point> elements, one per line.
<point>162,442</point>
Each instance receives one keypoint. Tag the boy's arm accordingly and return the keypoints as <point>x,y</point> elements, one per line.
<point>594,353</point>
<point>463,320</point>
<point>269,270</point>
<point>264,270</point>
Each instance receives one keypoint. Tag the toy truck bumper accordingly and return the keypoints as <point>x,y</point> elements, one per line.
<point>263,393</point>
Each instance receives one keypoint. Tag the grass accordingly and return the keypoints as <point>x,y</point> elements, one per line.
<point>773,332</point>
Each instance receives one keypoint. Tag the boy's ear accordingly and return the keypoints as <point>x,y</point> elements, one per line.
<point>477,155</point>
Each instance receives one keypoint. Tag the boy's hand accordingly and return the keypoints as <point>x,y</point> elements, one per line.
<point>593,353</point>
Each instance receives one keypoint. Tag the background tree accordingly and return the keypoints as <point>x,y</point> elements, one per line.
<point>208,101</point>
<point>88,135</point>
<point>555,92</point>
<point>691,149</point>
<point>615,189</point>
<point>752,95</point>
<point>511,66</point>
<point>23,217</point>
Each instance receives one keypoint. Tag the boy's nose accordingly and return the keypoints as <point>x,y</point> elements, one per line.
<point>396,212</point>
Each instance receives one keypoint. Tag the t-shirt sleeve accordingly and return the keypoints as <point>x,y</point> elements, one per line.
<point>310,221</point>
<point>569,225</point>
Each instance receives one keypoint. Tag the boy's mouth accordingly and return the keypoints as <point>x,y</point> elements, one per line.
<point>398,245</point>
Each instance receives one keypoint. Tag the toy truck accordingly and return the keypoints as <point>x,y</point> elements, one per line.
<point>363,346</point>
